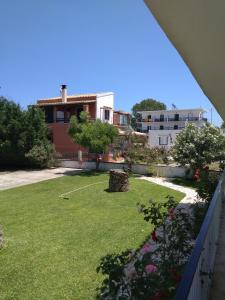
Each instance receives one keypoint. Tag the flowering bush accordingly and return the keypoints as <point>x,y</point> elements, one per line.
<point>207,182</point>
<point>198,147</point>
<point>154,270</point>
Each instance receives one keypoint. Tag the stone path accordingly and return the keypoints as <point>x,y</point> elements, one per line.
<point>13,179</point>
<point>190,193</point>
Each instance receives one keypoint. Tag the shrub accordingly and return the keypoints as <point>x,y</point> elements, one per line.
<point>154,271</point>
<point>205,189</point>
<point>139,154</point>
<point>41,156</point>
<point>198,147</point>
<point>152,171</point>
<point>20,132</point>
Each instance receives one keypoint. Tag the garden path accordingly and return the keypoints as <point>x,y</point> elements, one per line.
<point>11,179</point>
<point>190,193</point>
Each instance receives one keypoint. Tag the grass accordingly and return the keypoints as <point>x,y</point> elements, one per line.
<point>53,245</point>
<point>193,184</point>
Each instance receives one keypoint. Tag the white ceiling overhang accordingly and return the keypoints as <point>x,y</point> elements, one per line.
<point>196,28</point>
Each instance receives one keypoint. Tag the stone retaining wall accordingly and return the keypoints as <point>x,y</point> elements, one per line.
<point>159,170</point>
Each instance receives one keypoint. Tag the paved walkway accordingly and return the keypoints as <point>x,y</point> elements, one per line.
<point>13,179</point>
<point>190,193</point>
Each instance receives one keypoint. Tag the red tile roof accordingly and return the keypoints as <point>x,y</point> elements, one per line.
<point>70,99</point>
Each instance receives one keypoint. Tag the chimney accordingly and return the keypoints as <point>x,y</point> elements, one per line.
<point>64,93</point>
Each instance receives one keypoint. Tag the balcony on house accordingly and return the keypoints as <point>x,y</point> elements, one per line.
<point>59,110</point>
<point>173,119</point>
<point>63,113</point>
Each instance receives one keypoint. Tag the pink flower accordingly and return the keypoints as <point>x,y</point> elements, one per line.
<point>150,269</point>
<point>146,248</point>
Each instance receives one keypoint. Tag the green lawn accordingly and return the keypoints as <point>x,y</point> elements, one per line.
<point>53,245</point>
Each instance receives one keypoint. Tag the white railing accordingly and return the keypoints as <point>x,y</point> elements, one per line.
<point>197,278</point>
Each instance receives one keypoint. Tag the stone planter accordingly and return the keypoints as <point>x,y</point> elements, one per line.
<point>118,181</point>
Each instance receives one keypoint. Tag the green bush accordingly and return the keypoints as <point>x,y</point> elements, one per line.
<point>152,171</point>
<point>205,189</point>
<point>21,133</point>
<point>41,156</point>
<point>199,146</point>
<point>137,154</point>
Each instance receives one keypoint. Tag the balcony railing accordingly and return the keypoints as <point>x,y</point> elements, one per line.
<point>167,128</point>
<point>62,120</point>
<point>157,128</point>
<point>196,281</point>
<point>184,119</point>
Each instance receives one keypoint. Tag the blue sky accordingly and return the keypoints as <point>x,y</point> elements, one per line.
<point>92,46</point>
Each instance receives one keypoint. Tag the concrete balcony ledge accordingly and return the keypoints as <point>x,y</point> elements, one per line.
<point>204,274</point>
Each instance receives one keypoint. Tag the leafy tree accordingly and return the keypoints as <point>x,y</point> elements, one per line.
<point>148,104</point>
<point>198,147</point>
<point>20,131</point>
<point>145,105</point>
<point>11,126</point>
<point>96,136</point>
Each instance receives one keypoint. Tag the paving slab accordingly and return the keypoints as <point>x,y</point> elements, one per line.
<point>13,179</point>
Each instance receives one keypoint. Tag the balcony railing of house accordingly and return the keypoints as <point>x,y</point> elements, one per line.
<point>168,128</point>
<point>62,120</point>
<point>184,119</point>
<point>197,278</point>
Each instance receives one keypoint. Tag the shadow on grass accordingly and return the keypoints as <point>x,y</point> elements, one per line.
<point>83,173</point>
<point>185,182</point>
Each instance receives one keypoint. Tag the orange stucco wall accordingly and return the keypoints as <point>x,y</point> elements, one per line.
<point>61,139</point>
<point>65,145</point>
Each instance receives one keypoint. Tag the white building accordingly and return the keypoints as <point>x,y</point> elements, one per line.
<point>163,126</point>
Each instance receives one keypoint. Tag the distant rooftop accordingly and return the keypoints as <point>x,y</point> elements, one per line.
<point>121,112</point>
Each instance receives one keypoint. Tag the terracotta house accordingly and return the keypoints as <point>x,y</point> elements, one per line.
<point>58,111</point>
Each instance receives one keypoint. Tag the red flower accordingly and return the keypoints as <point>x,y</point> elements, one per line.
<point>158,296</point>
<point>154,237</point>
<point>196,176</point>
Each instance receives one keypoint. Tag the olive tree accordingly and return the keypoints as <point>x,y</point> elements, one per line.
<point>96,136</point>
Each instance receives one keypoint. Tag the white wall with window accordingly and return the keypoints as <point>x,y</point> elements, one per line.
<point>104,107</point>
<point>162,138</point>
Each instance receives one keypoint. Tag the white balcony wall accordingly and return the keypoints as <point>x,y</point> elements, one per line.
<point>104,101</point>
